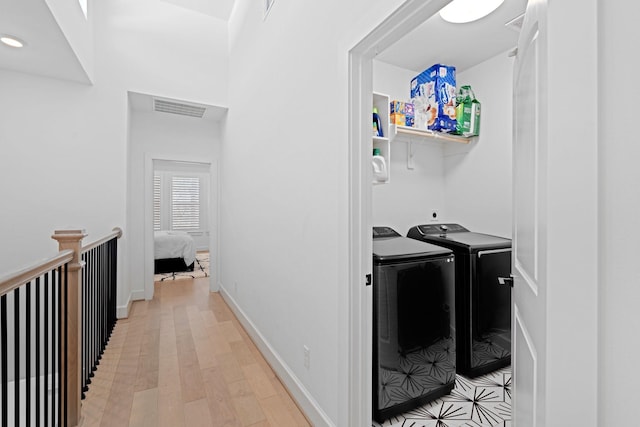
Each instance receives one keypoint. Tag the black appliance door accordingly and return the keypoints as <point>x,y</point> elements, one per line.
<point>414,331</point>
<point>491,308</point>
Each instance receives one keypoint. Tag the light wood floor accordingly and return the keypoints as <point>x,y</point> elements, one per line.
<point>183,359</point>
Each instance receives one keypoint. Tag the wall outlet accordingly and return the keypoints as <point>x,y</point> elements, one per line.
<point>307,357</point>
<point>434,215</point>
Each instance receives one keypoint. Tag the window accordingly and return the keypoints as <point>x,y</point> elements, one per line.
<point>185,203</point>
<point>180,198</point>
<point>157,202</point>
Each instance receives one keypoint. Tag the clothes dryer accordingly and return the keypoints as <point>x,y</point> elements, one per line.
<point>413,323</point>
<point>483,305</point>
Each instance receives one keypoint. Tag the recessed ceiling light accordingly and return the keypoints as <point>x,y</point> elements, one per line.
<point>461,11</point>
<point>11,41</point>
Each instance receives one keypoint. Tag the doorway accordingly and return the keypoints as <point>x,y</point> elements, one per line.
<point>570,216</point>
<point>362,78</point>
<point>157,134</point>
<point>206,236</point>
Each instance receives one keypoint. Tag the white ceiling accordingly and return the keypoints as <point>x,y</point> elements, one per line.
<point>47,52</point>
<point>220,9</point>
<point>461,45</point>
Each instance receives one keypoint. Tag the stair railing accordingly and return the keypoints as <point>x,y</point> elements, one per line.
<point>53,329</point>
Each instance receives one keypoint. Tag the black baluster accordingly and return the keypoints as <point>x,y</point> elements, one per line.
<point>85,372</point>
<point>92,320</point>
<point>38,349</point>
<point>27,354</point>
<point>5,355</point>
<point>16,363</point>
<point>66,344</point>
<point>103,307</point>
<point>45,413</point>
<point>55,328</point>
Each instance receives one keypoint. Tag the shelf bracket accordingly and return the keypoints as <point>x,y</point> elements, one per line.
<point>410,153</point>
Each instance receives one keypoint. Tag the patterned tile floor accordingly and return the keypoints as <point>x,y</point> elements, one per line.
<point>477,402</point>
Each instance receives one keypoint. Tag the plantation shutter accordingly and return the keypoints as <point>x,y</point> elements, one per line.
<point>185,203</point>
<point>157,199</point>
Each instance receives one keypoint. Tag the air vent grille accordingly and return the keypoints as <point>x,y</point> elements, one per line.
<point>516,23</point>
<point>172,107</point>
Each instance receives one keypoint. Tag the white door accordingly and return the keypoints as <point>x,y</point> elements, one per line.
<point>529,198</point>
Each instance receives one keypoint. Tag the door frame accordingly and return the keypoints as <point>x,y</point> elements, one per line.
<point>398,24</point>
<point>213,210</point>
<point>571,331</point>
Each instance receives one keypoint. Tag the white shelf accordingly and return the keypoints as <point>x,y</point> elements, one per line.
<point>396,130</point>
<point>409,134</point>
<point>381,102</point>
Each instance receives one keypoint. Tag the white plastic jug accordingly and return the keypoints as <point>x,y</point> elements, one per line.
<point>380,173</point>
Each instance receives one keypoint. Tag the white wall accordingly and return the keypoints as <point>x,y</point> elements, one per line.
<point>411,194</point>
<point>168,137</point>
<point>284,207</point>
<point>619,295</point>
<point>65,144</point>
<point>478,175</point>
<point>77,29</point>
<point>468,184</point>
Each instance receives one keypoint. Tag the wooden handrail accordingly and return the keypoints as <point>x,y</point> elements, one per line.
<point>117,233</point>
<point>70,312</point>
<point>14,280</point>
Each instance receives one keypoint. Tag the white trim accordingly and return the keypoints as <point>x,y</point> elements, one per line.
<point>214,221</point>
<point>122,311</point>
<point>137,295</point>
<point>399,23</point>
<point>518,324</point>
<point>300,394</point>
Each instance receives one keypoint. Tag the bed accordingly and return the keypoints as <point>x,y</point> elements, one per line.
<point>173,251</point>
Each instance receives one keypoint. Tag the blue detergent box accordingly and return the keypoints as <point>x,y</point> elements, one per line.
<point>433,93</point>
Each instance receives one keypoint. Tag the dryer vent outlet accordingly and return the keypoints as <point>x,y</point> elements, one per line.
<point>434,215</point>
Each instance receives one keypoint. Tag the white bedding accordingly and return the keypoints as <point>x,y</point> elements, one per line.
<point>174,244</point>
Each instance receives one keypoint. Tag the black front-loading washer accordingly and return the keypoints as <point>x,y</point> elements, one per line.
<point>413,323</point>
<point>483,306</point>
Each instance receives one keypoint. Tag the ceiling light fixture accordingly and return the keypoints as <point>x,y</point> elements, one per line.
<point>11,41</point>
<point>462,11</point>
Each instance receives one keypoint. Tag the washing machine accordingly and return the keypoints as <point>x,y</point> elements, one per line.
<point>413,323</point>
<point>483,305</point>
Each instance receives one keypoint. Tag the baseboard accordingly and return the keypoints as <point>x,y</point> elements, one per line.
<point>300,394</point>
<point>137,295</point>
<point>122,311</point>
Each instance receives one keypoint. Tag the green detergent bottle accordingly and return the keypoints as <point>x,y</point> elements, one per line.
<point>467,112</point>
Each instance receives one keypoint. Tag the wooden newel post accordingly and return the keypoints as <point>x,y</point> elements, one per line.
<point>72,325</point>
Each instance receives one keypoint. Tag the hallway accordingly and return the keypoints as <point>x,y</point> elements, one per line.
<point>183,359</point>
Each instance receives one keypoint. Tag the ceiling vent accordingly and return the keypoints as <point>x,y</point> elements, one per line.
<point>181,109</point>
<point>516,23</point>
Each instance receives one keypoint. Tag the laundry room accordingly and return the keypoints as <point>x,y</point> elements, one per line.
<point>463,180</point>
<point>451,188</point>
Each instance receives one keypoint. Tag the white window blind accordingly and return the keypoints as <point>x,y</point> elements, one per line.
<point>157,201</point>
<point>185,203</point>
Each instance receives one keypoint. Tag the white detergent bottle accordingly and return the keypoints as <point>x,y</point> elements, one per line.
<point>380,173</point>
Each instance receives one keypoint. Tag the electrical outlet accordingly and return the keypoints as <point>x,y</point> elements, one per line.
<point>434,215</point>
<point>307,357</point>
